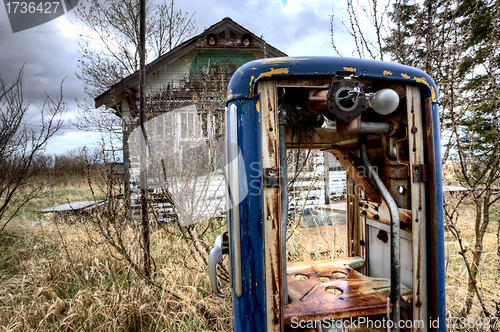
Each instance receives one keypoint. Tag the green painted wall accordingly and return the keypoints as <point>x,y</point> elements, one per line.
<point>230,60</point>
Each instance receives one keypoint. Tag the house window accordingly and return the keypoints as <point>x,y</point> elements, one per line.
<point>191,125</point>
<point>200,137</point>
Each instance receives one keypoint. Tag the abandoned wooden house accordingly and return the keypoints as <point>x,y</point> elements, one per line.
<point>186,91</point>
<point>190,82</point>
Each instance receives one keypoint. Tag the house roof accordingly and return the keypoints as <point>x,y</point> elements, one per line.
<point>232,32</point>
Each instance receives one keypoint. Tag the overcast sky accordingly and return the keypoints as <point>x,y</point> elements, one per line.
<point>49,52</point>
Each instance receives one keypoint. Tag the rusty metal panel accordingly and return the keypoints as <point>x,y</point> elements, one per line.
<point>357,244</point>
<point>380,212</point>
<point>312,83</point>
<point>393,172</point>
<point>380,251</point>
<point>398,189</point>
<point>353,262</point>
<point>324,138</point>
<point>333,289</point>
<point>271,208</point>
<point>353,167</point>
<point>420,173</point>
<point>418,206</point>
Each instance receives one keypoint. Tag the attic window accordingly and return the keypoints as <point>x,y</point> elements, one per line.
<point>227,34</point>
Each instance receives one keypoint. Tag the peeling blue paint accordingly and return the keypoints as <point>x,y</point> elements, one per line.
<point>242,84</point>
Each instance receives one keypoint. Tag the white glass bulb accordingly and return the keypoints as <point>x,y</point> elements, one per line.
<point>384,101</point>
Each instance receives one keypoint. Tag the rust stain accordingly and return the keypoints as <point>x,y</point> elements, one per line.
<point>351,69</point>
<point>394,172</point>
<point>405,76</point>
<point>350,162</point>
<point>387,72</point>
<point>349,129</point>
<point>315,83</point>
<point>272,210</point>
<point>380,212</point>
<point>309,292</point>
<point>356,295</point>
<point>421,304</point>
<point>230,94</point>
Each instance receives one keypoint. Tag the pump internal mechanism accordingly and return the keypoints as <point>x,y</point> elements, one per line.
<point>367,132</point>
<point>347,100</point>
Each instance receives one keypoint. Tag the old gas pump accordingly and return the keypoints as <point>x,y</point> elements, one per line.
<point>385,133</point>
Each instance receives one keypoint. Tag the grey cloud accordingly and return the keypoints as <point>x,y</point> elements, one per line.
<point>48,56</point>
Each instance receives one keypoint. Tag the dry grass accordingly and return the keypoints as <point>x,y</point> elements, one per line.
<point>317,243</point>
<point>46,285</point>
<point>42,288</point>
<point>456,271</point>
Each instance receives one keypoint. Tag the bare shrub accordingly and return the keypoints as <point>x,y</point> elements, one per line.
<point>22,146</point>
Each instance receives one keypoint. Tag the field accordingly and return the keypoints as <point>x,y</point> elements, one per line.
<point>58,274</point>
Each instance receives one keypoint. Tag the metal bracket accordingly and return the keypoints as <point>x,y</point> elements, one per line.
<point>213,259</point>
<point>420,173</point>
<point>271,177</point>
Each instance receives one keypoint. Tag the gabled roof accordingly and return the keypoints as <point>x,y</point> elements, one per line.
<point>232,32</point>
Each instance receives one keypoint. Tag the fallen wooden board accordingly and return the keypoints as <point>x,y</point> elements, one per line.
<point>337,208</point>
<point>72,207</point>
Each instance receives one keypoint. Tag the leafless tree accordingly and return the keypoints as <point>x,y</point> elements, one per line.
<point>362,44</point>
<point>457,44</point>
<point>109,48</point>
<point>21,146</point>
<point>109,43</point>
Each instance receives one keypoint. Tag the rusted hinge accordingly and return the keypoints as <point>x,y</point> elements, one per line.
<point>271,178</point>
<point>420,173</point>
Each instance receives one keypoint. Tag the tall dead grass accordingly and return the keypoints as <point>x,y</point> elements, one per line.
<point>46,285</point>
<point>489,270</point>
<point>457,275</point>
<point>54,277</point>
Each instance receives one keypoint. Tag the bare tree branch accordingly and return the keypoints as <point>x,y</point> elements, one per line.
<point>21,147</point>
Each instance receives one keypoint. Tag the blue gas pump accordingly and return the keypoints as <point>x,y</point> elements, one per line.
<point>383,128</point>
